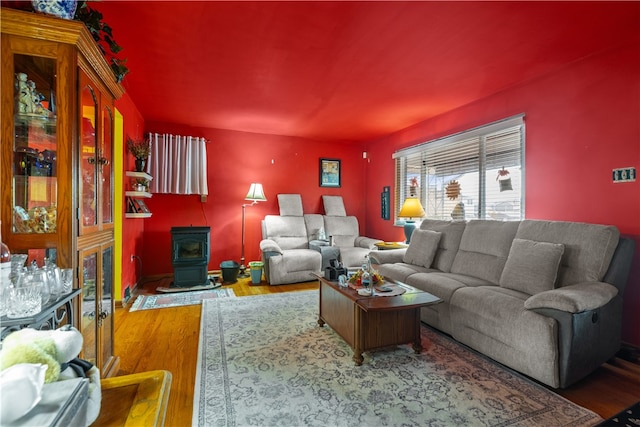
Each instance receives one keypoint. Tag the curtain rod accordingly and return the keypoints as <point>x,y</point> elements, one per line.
<point>183,136</point>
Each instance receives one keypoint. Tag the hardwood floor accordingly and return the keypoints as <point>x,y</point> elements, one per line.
<point>168,339</point>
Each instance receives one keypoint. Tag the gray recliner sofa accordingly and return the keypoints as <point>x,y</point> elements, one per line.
<point>285,248</point>
<point>542,297</point>
<point>292,248</point>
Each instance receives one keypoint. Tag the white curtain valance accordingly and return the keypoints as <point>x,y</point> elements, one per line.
<point>178,164</point>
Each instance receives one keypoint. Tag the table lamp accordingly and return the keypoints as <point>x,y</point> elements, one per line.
<point>410,209</point>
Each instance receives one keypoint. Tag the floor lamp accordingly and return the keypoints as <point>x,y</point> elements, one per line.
<point>412,208</point>
<point>255,194</point>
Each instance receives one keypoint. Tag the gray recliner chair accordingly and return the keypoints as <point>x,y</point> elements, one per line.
<point>285,245</point>
<point>345,232</point>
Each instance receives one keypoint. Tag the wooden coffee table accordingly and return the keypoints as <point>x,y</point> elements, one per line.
<point>372,322</point>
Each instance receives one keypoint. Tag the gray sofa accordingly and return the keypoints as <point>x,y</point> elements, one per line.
<point>542,297</point>
<point>292,247</point>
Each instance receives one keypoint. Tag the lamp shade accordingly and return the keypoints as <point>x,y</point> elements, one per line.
<point>411,208</point>
<point>256,193</point>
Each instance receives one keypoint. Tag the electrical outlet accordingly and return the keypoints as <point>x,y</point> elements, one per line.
<point>624,175</point>
<point>133,257</point>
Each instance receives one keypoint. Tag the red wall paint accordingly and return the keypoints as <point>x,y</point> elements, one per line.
<point>235,160</point>
<point>581,122</point>
<point>132,229</point>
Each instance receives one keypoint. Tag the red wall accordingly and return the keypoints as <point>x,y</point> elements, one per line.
<point>581,122</point>
<point>235,160</point>
<point>132,229</point>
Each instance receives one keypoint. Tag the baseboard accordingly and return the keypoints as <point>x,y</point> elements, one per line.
<point>629,352</point>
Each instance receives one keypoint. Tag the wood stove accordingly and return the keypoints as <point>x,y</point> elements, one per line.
<point>190,256</point>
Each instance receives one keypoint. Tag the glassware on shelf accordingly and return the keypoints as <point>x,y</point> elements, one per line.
<point>38,277</point>
<point>5,274</point>
<point>17,266</point>
<point>66,278</point>
<point>53,277</point>
<point>25,298</point>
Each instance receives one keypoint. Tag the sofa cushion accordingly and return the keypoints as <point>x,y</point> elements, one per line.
<point>449,241</point>
<point>588,248</point>
<point>315,226</point>
<point>290,204</point>
<point>344,229</point>
<point>532,267</point>
<point>493,321</point>
<point>400,271</point>
<point>422,249</point>
<point>334,206</point>
<point>295,265</point>
<point>289,232</point>
<point>353,257</point>
<point>484,249</point>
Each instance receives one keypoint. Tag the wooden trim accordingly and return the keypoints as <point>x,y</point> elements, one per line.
<point>65,31</point>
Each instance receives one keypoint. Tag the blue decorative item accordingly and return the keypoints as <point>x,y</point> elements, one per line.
<point>65,9</point>
<point>409,226</point>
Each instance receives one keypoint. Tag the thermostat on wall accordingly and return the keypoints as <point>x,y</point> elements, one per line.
<point>624,175</point>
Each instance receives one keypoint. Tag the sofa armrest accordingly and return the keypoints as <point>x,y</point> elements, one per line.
<point>268,245</point>
<point>387,257</point>
<point>366,242</point>
<point>575,298</point>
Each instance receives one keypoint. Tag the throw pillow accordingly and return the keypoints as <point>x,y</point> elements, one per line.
<point>423,247</point>
<point>531,267</point>
<point>333,206</point>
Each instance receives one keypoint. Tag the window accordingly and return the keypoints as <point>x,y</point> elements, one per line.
<point>476,174</point>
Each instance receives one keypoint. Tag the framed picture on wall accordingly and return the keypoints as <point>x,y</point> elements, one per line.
<point>330,173</point>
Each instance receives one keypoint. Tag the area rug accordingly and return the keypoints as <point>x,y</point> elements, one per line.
<point>148,302</point>
<point>264,361</point>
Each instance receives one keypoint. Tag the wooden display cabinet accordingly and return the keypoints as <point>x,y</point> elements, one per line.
<point>57,94</point>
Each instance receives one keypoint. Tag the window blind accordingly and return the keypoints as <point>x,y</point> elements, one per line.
<point>469,162</point>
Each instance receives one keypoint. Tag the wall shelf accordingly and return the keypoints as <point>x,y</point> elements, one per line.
<point>136,208</point>
<point>137,215</point>
<point>138,194</point>
<point>143,175</point>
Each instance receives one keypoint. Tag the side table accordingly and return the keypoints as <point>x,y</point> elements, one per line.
<point>63,404</point>
<point>52,315</point>
<point>135,400</point>
<point>385,246</point>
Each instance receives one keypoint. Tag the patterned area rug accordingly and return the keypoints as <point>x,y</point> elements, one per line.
<point>148,302</point>
<point>263,361</point>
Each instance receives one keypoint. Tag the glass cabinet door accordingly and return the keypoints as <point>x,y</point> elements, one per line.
<point>106,166</point>
<point>89,314</point>
<point>106,306</point>
<point>88,152</point>
<point>35,184</point>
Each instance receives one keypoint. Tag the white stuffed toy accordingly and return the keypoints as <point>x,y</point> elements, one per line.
<point>58,350</point>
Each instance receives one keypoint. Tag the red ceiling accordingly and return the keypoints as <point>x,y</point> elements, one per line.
<point>348,71</point>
